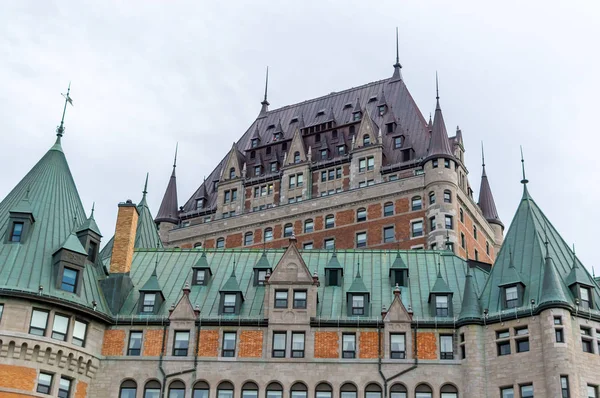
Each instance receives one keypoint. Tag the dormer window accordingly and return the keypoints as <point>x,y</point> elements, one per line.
<point>277,136</point>
<point>92,251</point>
<point>199,204</point>
<point>252,154</point>
<point>317,137</point>
<point>148,303</point>
<point>511,295</point>
<point>199,277</point>
<point>390,128</point>
<point>333,277</point>
<point>341,150</point>
<point>16,232</point>
<point>356,116</point>
<point>232,173</point>
<point>441,306</point>
<point>296,157</point>
<point>69,280</point>
<point>397,142</point>
<point>273,167</point>
<point>254,143</point>
<point>358,304</point>
<point>366,140</point>
<point>229,302</point>
<point>260,277</point>
<point>257,170</point>
<point>399,277</point>
<point>381,110</point>
<point>323,154</point>
<point>585,300</point>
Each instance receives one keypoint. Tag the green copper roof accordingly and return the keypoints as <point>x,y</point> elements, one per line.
<point>73,244</point>
<point>151,284</point>
<point>578,275</point>
<point>552,290</point>
<point>232,284</point>
<point>510,276</point>
<point>263,262</point>
<point>333,262</point>
<point>470,304</point>
<point>440,285</point>
<point>24,206</point>
<point>55,203</point>
<point>358,286</point>
<point>399,263</point>
<point>202,261</point>
<point>90,224</point>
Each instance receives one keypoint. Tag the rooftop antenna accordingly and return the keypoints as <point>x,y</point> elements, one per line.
<point>524,181</point>
<point>60,130</point>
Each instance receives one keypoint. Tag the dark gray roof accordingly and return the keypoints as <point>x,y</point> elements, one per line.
<point>486,199</point>
<point>168,211</point>
<point>439,144</point>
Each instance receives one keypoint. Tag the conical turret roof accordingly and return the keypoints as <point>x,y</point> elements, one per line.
<point>552,289</point>
<point>168,211</point>
<point>439,145</point>
<point>470,304</point>
<point>231,285</point>
<point>486,199</point>
<point>263,262</point>
<point>440,286</point>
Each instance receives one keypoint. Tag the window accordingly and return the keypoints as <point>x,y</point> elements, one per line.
<point>323,176</point>
<point>527,391</point>
<point>300,299</point>
<point>512,297</point>
<point>254,143</point>
<point>268,234</point>
<point>447,197</point>
<point>362,165</point>
<point>423,391</point>
<point>323,390</point>
<point>441,305</point>
<point>296,157</point>
<point>448,391</point>
<point>503,348</point>
<point>388,209</point>
<point>17,232</point>
<point>476,255</point>
<point>358,304</point>
<point>281,299</point>
<point>134,347</point>
<point>323,154</point>
<point>199,204</point>
<point>361,214</point>
<point>128,389</point>
<point>44,383</point>
<point>397,140</point>
<point>199,277</point>
<point>273,165</point>
<point>366,140</point>
<point>288,230</point>
<point>502,334</point>
<point>232,173</point>
<point>397,346</point>
<point>361,239</point>
<point>370,163</point>
<point>434,163</point>
<point>417,229</point>
<point>432,224</point>
<point>152,389</point>
<point>329,221</point>
<point>220,243</point>
<point>348,345</point>
<point>181,343</point>
<point>177,389</point>
<point>447,163</point>
<point>249,390</point>
<point>388,234</point>
<point>279,344</point>
<point>487,248</point>
<point>592,391</point>
<point>449,222</point>
<point>274,390</point>
<point>69,280</point>
<point>224,390</point>
<point>308,226</point>
<point>329,244</point>
<point>79,331</point>
<point>298,390</point>
<point>248,238</point>
<point>586,345</point>
<point>564,386</point>
<point>446,347</point>
<point>92,250</point>
<point>229,303</point>
<point>64,387</point>
<point>522,345</point>
<point>226,197</point>
<point>348,391</point>
<point>584,294</point>
<point>60,327</point>
<point>257,170</point>
<point>507,392</point>
<point>297,344</point>
<point>228,344</point>
<point>39,322</point>
<point>148,303</point>
<point>307,246</point>
<point>475,232</point>
<point>558,333</point>
<point>462,215</point>
<point>341,150</point>
<point>416,203</point>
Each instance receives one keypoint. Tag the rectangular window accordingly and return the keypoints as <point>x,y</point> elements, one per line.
<point>564,386</point>
<point>181,343</point>
<point>358,305</point>
<point>370,163</point>
<point>361,239</point>
<point>432,225</point>
<point>592,391</point>
<point>508,392</point>
<point>1,310</point>
<point>229,304</point>
<point>447,197</point>
<point>134,348</point>
<point>397,140</point>
<point>279,344</point>
<point>388,234</point>
<point>338,172</point>
<point>69,280</point>
<point>148,304</point>
<point>586,345</point>
<point>558,320</point>
<point>361,215</point>
<point>362,165</point>
<point>503,348</point>
<point>558,333</point>
<point>475,232</point>
<point>297,344</point>
<point>446,163</point>
<point>329,244</point>
<point>226,197</point>
<point>348,345</point>
<point>300,299</point>
<point>527,391</point>
<point>416,204</point>
<point>64,387</point>
<point>17,232</point>
<point>584,294</point>
<point>388,209</point>
<point>323,176</point>
<point>331,174</point>
<point>449,222</point>
<point>44,383</point>
<point>248,239</point>
<point>39,322</point>
<point>502,334</point>
<point>200,277</point>
<point>228,344</point>
<point>309,226</point>
<point>273,167</point>
<point>292,182</point>
<point>417,229</point>
<point>79,333</point>
<point>329,222</point>
<point>281,299</point>
<point>441,305</point>
<point>341,149</point>
<point>397,346</point>
<point>60,327</point>
<point>522,345</point>
<point>446,347</point>
<point>323,154</point>
<point>512,297</point>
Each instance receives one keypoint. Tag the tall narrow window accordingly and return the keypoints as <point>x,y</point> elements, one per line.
<point>416,203</point>
<point>281,299</point>
<point>329,221</point>
<point>229,344</point>
<point>446,347</point>
<point>397,346</point>
<point>441,305</point>
<point>388,209</point>
<point>348,345</point>
<point>296,157</point>
<point>60,327</point>
<point>361,239</point>
<point>229,304</point>
<point>225,390</point>
<point>388,234</point>
<point>584,294</point>
<point>417,229</point>
<point>564,386</point>
<point>249,390</point>
<point>17,232</point>
<point>308,226</point>
<point>148,303</point>
<point>512,297</point>
<point>300,299</point>
<point>79,332</point>
<point>268,234</point>
<point>432,224</point>
<point>177,389</point>
<point>361,214</point>
<point>44,383</point>
<point>231,173</point>
<point>431,198</point>
<point>449,222</point>
<point>64,387</point>
<point>279,344</point>
<point>475,232</point>
<point>181,343</point>
<point>288,230</point>
<point>297,344</point>
<point>39,322</point>
<point>134,348</point>
<point>248,238</point>
<point>152,389</point>
<point>462,215</point>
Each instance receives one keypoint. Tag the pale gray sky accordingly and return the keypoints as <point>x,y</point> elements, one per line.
<point>148,74</point>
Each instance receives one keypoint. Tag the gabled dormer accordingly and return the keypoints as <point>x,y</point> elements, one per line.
<point>358,297</point>
<point>398,272</point>
<point>382,105</point>
<point>297,151</point>
<point>367,132</point>
<point>20,222</point>
<point>440,298</point>
<point>581,285</point>
<point>201,272</point>
<point>233,165</point>
<point>231,296</point>
<point>89,235</point>
<point>389,121</point>
<point>151,296</point>
<point>357,111</point>
<point>333,271</point>
<point>69,262</point>
<point>262,268</point>
<point>255,139</point>
<point>511,287</point>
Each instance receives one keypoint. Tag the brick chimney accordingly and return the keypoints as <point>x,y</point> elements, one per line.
<point>122,252</point>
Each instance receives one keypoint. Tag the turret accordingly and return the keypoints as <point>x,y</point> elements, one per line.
<point>168,213</point>
<point>488,206</point>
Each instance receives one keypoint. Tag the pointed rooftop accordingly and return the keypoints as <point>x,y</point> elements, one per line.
<point>552,287</point>
<point>471,309</point>
<point>440,286</point>
<point>333,262</point>
<point>231,285</point>
<point>397,67</point>
<point>578,274</point>
<point>168,211</point>
<point>73,244</point>
<point>486,199</point>
<point>265,103</point>
<point>358,285</point>
<point>263,262</point>
<point>152,284</point>
<point>90,224</point>
<point>439,145</point>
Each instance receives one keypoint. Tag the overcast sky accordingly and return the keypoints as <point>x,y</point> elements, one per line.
<point>148,74</point>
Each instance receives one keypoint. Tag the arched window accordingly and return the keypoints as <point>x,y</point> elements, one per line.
<point>329,221</point>
<point>249,390</point>
<point>323,390</point>
<point>248,238</point>
<point>348,390</point>
<point>361,214</point>
<point>220,243</point>
<point>449,391</point>
<point>373,390</point>
<point>366,140</point>
<point>274,390</point>
<point>288,230</point>
<point>128,389</point>
<point>308,226</point>
<point>296,157</point>
<point>268,234</point>
<point>197,245</point>
<point>201,390</point>
<point>298,390</point>
<point>447,196</point>
<point>398,390</point>
<point>431,197</point>
<point>177,389</point>
<point>423,391</point>
<point>416,203</point>
<point>232,173</point>
<point>152,389</point>
<point>225,390</point>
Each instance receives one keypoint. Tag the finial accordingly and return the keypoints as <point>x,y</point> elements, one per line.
<point>437,90</point>
<point>27,192</point>
<point>266,88</point>
<point>358,269</point>
<point>93,208</point>
<point>397,74</point>
<point>60,130</point>
<point>524,181</point>
<point>575,258</point>
<point>482,155</point>
<point>156,259</point>
<point>593,272</point>
<point>175,160</point>
<point>145,191</point>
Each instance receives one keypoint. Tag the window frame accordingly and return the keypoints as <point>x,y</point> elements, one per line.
<point>329,221</point>
<point>395,354</point>
<point>441,310</point>
<point>415,207</point>
<point>418,233</point>
<point>448,221</point>
<point>31,327</point>
<point>62,393</point>
<point>447,196</point>
<point>309,226</point>
<point>80,342</point>
<point>178,351</point>
<point>17,237</point>
<point>358,310</point>
<point>296,353</point>
<point>386,238</point>
<point>281,302</point>
<point>220,243</point>
<point>46,388</point>
<point>72,287</point>
<point>361,214</point>
<point>300,303</point>
<point>361,243</point>
<point>227,307</point>
<point>62,336</point>
<point>446,354</point>
<point>286,232</point>
<point>248,239</point>
<point>138,351</point>
<point>388,209</point>
<point>146,304</point>
<point>228,352</point>
<point>348,354</point>
<point>279,337</point>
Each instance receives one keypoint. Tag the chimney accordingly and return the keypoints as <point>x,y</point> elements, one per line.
<point>122,253</point>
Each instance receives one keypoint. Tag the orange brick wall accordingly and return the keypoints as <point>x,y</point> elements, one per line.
<point>367,344</point>
<point>251,344</point>
<point>209,343</point>
<point>17,377</point>
<point>114,342</point>
<point>153,342</point>
<point>472,244</point>
<point>327,345</point>
<point>426,345</point>
<point>81,391</point>
<point>13,395</point>
<point>124,241</point>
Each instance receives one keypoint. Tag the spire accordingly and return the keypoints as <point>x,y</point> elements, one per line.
<point>90,223</point>
<point>145,191</point>
<point>439,145</point>
<point>168,211</point>
<point>524,180</point>
<point>60,130</point>
<point>397,67</point>
<point>358,286</point>
<point>486,199</point>
<point>265,103</point>
<point>577,274</point>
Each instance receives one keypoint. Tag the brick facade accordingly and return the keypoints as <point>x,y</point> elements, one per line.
<point>327,345</point>
<point>114,342</point>
<point>208,345</point>
<point>427,345</point>
<point>153,342</point>
<point>81,391</point>
<point>251,344</point>
<point>17,377</point>
<point>369,343</point>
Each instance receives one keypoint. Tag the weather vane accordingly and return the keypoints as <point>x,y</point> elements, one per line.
<point>61,129</point>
